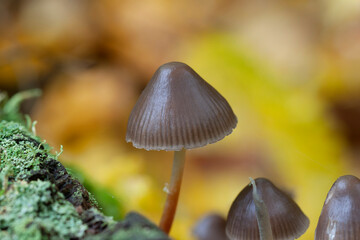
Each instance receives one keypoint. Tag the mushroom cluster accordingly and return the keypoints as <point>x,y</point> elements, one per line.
<point>262,211</point>
<point>178,110</point>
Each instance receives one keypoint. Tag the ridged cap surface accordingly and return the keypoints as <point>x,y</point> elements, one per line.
<point>340,216</point>
<point>178,109</point>
<point>287,220</point>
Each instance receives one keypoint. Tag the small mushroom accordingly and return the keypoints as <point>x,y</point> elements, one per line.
<point>211,227</point>
<point>178,110</point>
<point>287,221</point>
<point>340,216</point>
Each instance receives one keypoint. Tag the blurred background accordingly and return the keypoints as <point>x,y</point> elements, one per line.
<point>289,69</point>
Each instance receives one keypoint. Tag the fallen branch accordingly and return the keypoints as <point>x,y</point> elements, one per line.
<point>39,199</point>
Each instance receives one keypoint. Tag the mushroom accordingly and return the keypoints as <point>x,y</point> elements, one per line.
<point>340,216</point>
<point>210,227</point>
<point>178,110</point>
<point>277,215</point>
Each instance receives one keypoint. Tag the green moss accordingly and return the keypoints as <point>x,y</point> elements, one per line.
<point>20,152</point>
<point>40,200</point>
<point>36,210</point>
<point>33,209</point>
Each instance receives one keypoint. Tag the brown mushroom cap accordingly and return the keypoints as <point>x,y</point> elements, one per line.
<point>286,218</point>
<point>177,110</point>
<point>340,216</point>
<point>211,227</point>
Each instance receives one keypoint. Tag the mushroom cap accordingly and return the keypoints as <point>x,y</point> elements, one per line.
<point>211,227</point>
<point>287,220</point>
<point>178,109</point>
<point>340,216</point>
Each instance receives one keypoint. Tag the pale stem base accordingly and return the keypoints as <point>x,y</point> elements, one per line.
<point>173,191</point>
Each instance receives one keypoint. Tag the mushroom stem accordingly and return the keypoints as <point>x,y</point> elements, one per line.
<point>173,191</point>
<point>262,215</point>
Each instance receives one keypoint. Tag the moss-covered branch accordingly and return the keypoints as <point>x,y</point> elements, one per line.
<point>39,199</point>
